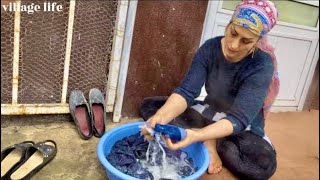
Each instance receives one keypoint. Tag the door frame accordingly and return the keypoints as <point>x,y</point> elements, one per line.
<point>122,65</point>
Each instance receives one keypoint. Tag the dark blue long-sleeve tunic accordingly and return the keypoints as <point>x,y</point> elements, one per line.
<point>237,89</point>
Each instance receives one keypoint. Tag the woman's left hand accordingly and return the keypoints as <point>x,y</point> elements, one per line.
<point>189,139</point>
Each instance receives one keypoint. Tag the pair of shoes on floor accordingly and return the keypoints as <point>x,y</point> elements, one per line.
<point>89,117</point>
<point>23,160</point>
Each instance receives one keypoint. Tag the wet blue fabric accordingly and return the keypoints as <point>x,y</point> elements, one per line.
<point>127,153</point>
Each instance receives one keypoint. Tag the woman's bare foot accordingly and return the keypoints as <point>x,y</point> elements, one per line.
<point>215,165</point>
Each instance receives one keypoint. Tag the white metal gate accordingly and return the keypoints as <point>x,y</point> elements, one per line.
<point>45,55</point>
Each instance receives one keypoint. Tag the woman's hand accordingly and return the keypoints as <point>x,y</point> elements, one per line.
<point>153,120</point>
<point>189,139</point>
<point>146,132</point>
<point>174,106</point>
<point>156,119</point>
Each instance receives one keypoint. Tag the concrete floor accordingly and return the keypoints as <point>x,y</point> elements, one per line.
<point>294,134</point>
<point>75,159</point>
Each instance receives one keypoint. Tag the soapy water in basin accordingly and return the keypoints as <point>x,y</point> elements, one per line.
<point>152,159</point>
<point>170,167</point>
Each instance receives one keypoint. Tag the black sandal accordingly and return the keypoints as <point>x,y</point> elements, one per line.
<point>37,156</point>
<point>13,157</point>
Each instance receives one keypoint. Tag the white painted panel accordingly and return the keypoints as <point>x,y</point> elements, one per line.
<point>281,102</point>
<point>291,54</point>
<point>283,108</point>
<point>209,22</point>
<point>310,73</point>
<point>220,30</point>
<point>272,40</point>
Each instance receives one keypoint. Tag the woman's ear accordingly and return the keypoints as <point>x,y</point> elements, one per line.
<point>254,48</point>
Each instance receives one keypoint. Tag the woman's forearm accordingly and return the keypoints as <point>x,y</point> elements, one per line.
<point>174,106</point>
<point>220,129</point>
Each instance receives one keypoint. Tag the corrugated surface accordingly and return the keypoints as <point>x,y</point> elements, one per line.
<point>166,37</point>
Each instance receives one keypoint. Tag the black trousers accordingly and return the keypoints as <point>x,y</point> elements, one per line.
<point>246,155</point>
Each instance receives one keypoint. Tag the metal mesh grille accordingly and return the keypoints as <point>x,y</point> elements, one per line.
<point>7,31</point>
<point>42,53</point>
<point>91,45</point>
<point>42,50</point>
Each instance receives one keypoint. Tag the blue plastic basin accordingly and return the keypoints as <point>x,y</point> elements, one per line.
<point>197,151</point>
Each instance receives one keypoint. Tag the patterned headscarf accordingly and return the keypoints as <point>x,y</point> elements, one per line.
<point>260,16</point>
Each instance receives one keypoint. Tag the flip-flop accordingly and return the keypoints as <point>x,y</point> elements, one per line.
<point>13,157</point>
<point>37,156</point>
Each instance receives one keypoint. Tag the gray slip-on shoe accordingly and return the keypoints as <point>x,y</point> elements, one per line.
<point>80,112</point>
<point>98,111</point>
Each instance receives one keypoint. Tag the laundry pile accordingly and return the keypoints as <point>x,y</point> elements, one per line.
<point>136,157</point>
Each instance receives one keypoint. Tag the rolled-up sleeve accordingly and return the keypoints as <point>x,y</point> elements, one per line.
<point>192,83</point>
<point>250,97</point>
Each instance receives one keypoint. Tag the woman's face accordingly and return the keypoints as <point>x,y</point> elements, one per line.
<point>238,42</point>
